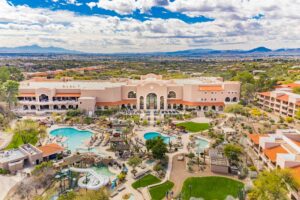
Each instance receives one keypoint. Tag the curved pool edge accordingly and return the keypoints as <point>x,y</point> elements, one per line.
<point>54,127</point>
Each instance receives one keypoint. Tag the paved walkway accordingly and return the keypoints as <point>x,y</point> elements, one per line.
<point>8,182</point>
<point>5,139</point>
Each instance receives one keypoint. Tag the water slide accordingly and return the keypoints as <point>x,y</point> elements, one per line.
<point>94,180</point>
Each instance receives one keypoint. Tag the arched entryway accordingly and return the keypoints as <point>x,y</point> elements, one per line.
<point>227,99</point>
<point>43,98</point>
<point>151,101</point>
<point>234,99</point>
<point>220,108</point>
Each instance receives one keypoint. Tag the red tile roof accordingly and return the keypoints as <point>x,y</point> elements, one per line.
<point>296,173</point>
<point>26,95</point>
<point>116,103</point>
<point>265,93</point>
<point>255,137</point>
<point>211,88</point>
<point>289,85</point>
<point>50,149</point>
<point>188,103</point>
<point>284,97</point>
<point>271,153</point>
<point>67,95</point>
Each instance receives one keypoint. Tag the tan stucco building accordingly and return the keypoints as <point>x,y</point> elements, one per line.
<point>150,92</point>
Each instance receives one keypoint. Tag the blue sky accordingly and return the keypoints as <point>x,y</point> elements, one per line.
<point>81,7</point>
<point>149,25</point>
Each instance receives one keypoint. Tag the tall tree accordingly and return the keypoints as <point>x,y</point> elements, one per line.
<point>134,162</point>
<point>157,147</point>
<point>9,92</point>
<point>232,152</point>
<point>272,185</point>
<point>4,74</point>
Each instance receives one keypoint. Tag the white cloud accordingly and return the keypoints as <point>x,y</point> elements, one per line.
<point>233,26</point>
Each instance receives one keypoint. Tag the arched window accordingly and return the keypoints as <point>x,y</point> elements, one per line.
<point>131,95</point>
<point>172,94</point>
<point>234,99</point>
<point>32,107</point>
<point>227,99</point>
<point>63,107</point>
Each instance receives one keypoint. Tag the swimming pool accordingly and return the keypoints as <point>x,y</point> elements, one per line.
<point>75,137</point>
<point>201,144</point>
<point>152,135</point>
<point>103,170</point>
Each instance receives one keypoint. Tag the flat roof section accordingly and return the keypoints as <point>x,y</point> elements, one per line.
<point>11,155</point>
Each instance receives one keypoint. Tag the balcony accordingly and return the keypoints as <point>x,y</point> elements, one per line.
<point>72,102</point>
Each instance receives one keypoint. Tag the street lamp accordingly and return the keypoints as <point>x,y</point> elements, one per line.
<point>190,187</point>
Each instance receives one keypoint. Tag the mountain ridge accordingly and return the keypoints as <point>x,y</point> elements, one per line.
<point>36,49</point>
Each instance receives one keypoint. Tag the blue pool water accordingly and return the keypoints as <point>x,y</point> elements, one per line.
<point>201,145</point>
<point>103,170</point>
<point>75,138</point>
<point>151,135</point>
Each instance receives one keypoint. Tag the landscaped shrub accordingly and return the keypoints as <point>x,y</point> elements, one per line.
<point>289,119</point>
<point>145,122</point>
<point>4,171</point>
<point>73,113</point>
<point>252,168</point>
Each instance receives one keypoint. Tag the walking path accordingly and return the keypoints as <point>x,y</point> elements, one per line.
<point>8,182</point>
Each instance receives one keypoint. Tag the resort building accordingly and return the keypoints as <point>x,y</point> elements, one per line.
<point>282,100</point>
<point>279,150</point>
<point>28,155</point>
<point>150,92</point>
<point>15,159</point>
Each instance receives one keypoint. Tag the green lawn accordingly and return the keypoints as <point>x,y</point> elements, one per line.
<point>210,188</point>
<point>145,181</point>
<point>159,192</point>
<point>193,126</point>
<point>17,141</point>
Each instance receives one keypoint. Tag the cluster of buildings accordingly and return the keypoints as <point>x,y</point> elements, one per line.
<point>28,155</point>
<point>52,73</point>
<point>282,100</point>
<point>279,150</point>
<point>151,92</point>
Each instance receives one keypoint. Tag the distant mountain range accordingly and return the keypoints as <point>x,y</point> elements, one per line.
<point>37,49</point>
<point>259,52</point>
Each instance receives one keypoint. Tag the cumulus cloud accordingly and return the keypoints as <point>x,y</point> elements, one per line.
<point>234,26</point>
